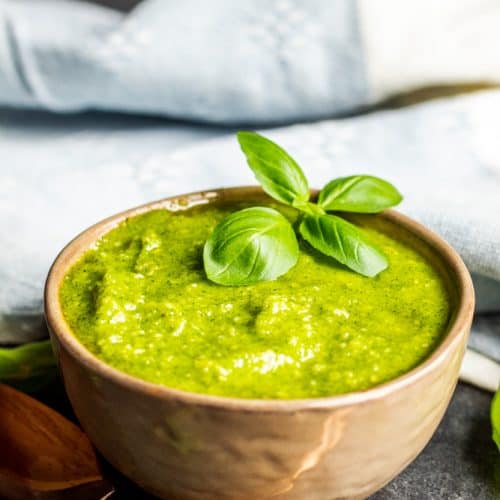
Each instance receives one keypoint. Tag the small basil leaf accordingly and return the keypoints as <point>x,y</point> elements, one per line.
<point>277,172</point>
<point>254,244</point>
<point>495,418</point>
<point>344,242</point>
<point>359,193</point>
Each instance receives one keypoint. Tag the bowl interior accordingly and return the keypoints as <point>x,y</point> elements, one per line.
<point>451,268</point>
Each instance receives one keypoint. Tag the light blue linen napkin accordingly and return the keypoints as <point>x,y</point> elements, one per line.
<point>233,62</point>
<point>63,174</point>
<point>217,61</point>
<point>239,62</point>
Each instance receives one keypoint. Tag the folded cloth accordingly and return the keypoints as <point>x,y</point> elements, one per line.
<point>234,62</point>
<point>241,62</point>
<point>61,174</point>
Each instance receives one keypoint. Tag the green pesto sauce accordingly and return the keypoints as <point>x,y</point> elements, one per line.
<point>140,301</point>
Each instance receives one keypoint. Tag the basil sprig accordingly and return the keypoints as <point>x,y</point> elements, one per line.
<point>258,243</point>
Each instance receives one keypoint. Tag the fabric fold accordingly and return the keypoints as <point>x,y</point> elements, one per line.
<point>239,62</point>
<point>222,62</point>
<point>62,177</point>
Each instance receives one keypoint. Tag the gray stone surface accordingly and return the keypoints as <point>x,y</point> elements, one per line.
<point>461,461</point>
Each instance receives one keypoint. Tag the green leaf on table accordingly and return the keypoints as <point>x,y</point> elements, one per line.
<point>278,173</point>
<point>359,193</point>
<point>344,242</point>
<point>28,367</point>
<point>495,418</point>
<point>251,245</point>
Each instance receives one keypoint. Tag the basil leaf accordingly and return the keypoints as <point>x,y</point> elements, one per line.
<point>29,367</point>
<point>254,244</point>
<point>277,172</point>
<point>344,242</point>
<point>495,418</point>
<point>359,193</point>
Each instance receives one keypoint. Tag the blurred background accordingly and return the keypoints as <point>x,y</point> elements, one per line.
<point>108,104</point>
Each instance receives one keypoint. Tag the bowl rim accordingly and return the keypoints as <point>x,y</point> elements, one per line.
<point>58,328</point>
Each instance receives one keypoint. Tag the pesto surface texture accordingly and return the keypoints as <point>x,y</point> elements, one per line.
<point>140,301</point>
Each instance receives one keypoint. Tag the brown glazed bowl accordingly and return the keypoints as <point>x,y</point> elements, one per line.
<point>177,444</point>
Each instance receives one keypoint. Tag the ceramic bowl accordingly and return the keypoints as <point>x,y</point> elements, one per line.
<point>177,444</point>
